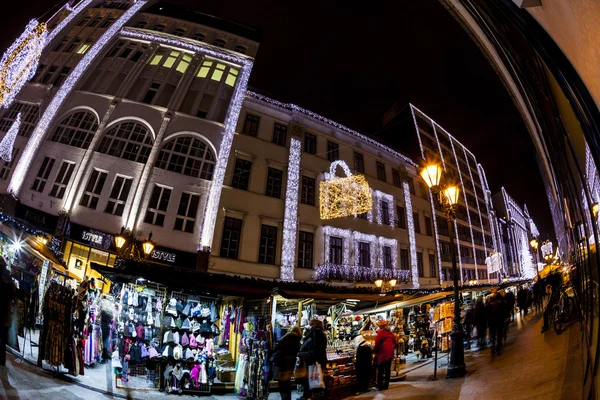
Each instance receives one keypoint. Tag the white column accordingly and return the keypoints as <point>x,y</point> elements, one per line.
<point>290,219</point>
<point>130,216</point>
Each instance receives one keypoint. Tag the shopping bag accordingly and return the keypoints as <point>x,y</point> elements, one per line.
<point>342,197</point>
<point>315,377</point>
<point>300,371</point>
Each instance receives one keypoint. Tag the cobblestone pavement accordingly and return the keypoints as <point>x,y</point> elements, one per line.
<point>533,366</point>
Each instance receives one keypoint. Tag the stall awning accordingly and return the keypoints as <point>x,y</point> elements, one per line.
<point>411,301</point>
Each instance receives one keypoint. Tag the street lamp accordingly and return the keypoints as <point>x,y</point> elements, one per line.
<point>128,247</point>
<point>447,198</point>
<point>534,245</point>
<point>385,286</point>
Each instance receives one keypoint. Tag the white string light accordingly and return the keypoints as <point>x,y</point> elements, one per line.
<point>411,235</point>
<point>380,196</point>
<point>393,244</point>
<point>437,238</point>
<point>61,95</point>
<point>365,238</point>
<point>357,273</point>
<point>345,235</point>
<point>290,219</point>
<point>8,141</point>
<point>20,61</point>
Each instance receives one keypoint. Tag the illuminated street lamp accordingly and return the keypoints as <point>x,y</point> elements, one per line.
<point>447,198</point>
<point>128,247</point>
<point>385,286</point>
<point>534,245</point>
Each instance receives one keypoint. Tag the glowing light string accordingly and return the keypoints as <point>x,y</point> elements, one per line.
<point>74,12</point>
<point>437,238</point>
<point>20,61</point>
<point>61,95</point>
<point>380,196</point>
<point>393,244</point>
<point>290,218</point>
<point>8,141</point>
<point>365,238</point>
<point>342,197</point>
<point>345,235</point>
<point>411,235</point>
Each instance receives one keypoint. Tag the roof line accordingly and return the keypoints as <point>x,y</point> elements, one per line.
<point>319,118</point>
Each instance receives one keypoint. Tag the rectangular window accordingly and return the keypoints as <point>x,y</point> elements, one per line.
<point>118,195</point>
<point>230,242</point>
<point>335,250</point>
<point>251,125</point>
<point>157,208</point>
<point>280,134</point>
<point>420,264</point>
<point>83,48</point>
<point>305,249</point>
<point>411,186</point>
<point>62,75</point>
<point>396,177</point>
<point>29,118</point>
<point>151,93</point>
<point>42,176</point>
<point>359,163</point>
<point>48,75</point>
<point>401,217</point>
<point>416,222</point>
<point>241,174</point>
<point>72,46</point>
<point>268,245</point>
<point>364,254</point>
<point>62,179</point>
<point>333,151</point>
<point>387,257</point>
<point>308,191</point>
<point>93,189</point>
<point>310,143</point>
<point>186,212</point>
<point>385,212</point>
<point>205,104</point>
<point>7,166</point>
<point>274,179</point>
<point>428,230</point>
<point>432,266</point>
<point>404,262</point>
<point>381,171</point>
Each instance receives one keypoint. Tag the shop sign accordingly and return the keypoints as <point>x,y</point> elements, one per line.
<point>165,255</point>
<point>37,218</point>
<point>93,238</point>
<point>160,255</point>
<point>90,236</point>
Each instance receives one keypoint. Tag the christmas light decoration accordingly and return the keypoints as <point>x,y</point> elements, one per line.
<point>7,219</point>
<point>319,118</point>
<point>493,262</point>
<point>411,235</point>
<point>365,238</point>
<point>389,199</point>
<point>460,266</point>
<point>74,12</point>
<point>393,244</point>
<point>488,205</point>
<point>344,234</point>
<point>20,61</point>
<point>8,141</point>
<point>342,197</point>
<point>412,112</point>
<point>61,95</point>
<point>437,238</point>
<point>358,273</point>
<point>528,271</point>
<point>290,218</point>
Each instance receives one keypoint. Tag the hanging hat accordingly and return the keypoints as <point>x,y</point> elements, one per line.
<point>178,370</point>
<point>205,312</point>
<point>185,340</point>
<point>177,352</point>
<point>159,304</point>
<point>186,325</point>
<point>179,306</point>
<point>157,320</point>
<point>178,322</point>
<point>152,353</point>
<point>168,337</point>
<point>196,310</point>
<point>173,326</point>
<point>195,326</point>
<point>186,309</point>
<point>176,337</point>
<point>189,354</point>
<point>145,353</point>
<point>149,319</point>
<point>193,343</point>
<point>172,307</point>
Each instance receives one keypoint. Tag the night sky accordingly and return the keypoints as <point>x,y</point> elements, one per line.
<point>352,63</point>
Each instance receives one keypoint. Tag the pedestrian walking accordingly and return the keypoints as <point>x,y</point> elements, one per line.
<point>7,298</point>
<point>284,361</point>
<point>469,321</point>
<point>509,299</point>
<point>480,319</point>
<point>385,347</point>
<point>313,351</point>
<point>497,314</point>
<point>364,363</point>
<point>522,297</point>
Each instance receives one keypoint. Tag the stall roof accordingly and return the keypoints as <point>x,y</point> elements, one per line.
<point>409,301</point>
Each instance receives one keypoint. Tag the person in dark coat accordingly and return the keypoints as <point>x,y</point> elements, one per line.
<point>509,302</point>
<point>480,320</point>
<point>285,353</point>
<point>385,349</point>
<point>522,297</point>
<point>7,298</point>
<point>497,313</point>
<point>313,351</point>
<point>364,363</point>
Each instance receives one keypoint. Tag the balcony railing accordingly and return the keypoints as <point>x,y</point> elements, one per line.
<point>355,273</point>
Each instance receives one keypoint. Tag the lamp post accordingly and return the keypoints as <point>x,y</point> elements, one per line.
<point>534,245</point>
<point>385,286</point>
<point>447,198</point>
<point>128,247</point>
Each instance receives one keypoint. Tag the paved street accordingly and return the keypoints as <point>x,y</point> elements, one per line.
<point>532,366</point>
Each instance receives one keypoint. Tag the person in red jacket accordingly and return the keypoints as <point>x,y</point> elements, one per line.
<point>385,349</point>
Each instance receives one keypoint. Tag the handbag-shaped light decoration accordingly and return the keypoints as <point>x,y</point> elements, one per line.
<point>344,196</point>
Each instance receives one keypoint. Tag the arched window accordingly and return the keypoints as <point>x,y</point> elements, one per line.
<point>219,43</point>
<point>128,140</point>
<point>141,24</point>
<point>76,130</point>
<point>240,49</point>
<point>199,36</point>
<point>188,156</point>
<point>159,28</point>
<point>179,32</point>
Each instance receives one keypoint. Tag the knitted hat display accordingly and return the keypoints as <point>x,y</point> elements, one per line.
<point>196,310</point>
<point>149,319</point>
<point>177,352</point>
<point>185,340</point>
<point>195,326</point>
<point>186,310</point>
<point>193,343</point>
<point>176,337</point>
<point>145,353</point>
<point>159,305</point>
<point>178,322</point>
<point>189,355</point>
<point>179,306</point>
<point>168,337</point>
<point>186,325</point>
<point>157,320</point>
<point>172,307</point>
<point>205,312</point>
<point>152,353</point>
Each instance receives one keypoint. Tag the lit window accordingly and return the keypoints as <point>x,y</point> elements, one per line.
<point>156,59</point>
<point>184,63</point>
<point>231,77</point>
<point>203,72</point>
<point>171,59</point>
<point>83,48</point>
<point>218,72</point>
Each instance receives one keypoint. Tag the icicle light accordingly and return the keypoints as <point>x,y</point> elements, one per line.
<point>290,219</point>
